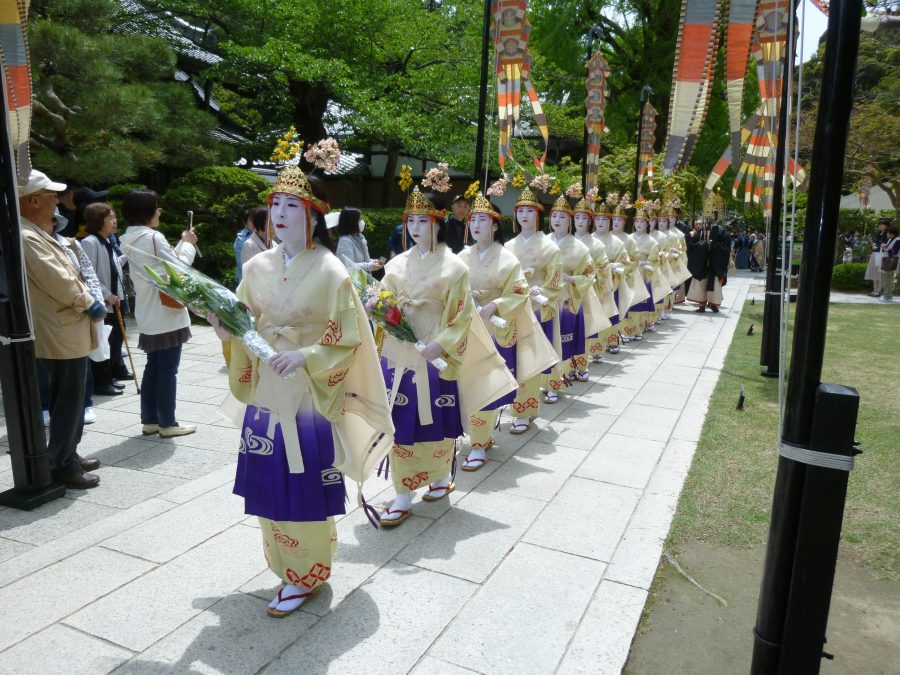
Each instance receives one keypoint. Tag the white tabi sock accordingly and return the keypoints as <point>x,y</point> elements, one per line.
<point>287,591</point>
<point>442,483</point>
<point>402,502</point>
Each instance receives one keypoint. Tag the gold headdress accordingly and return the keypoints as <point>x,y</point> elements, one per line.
<point>483,205</point>
<point>562,204</point>
<point>584,206</point>
<point>418,204</point>
<point>641,212</point>
<point>527,198</point>
<point>292,181</point>
<point>601,209</point>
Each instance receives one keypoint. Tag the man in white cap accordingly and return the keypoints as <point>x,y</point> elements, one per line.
<point>62,311</point>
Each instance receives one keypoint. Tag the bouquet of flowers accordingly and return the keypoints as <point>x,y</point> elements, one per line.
<point>202,295</point>
<point>381,306</point>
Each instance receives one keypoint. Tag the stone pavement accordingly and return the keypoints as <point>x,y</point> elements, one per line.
<point>539,563</point>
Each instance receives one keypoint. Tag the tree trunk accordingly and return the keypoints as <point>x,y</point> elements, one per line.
<point>390,169</point>
<point>310,103</point>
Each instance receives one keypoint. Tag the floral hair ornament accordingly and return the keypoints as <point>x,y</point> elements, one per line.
<point>575,191</point>
<point>498,187</point>
<point>437,178</point>
<point>292,181</point>
<point>324,155</point>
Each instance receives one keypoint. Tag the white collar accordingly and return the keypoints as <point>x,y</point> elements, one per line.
<point>526,238</point>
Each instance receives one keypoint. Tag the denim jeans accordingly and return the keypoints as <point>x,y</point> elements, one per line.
<point>158,387</point>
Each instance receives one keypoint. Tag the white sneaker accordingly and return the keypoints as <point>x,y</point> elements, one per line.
<point>89,415</point>
<point>46,414</point>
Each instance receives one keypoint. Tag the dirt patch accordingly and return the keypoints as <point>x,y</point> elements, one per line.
<point>687,631</point>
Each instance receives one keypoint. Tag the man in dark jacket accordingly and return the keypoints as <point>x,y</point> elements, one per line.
<point>708,255</point>
<point>454,235</point>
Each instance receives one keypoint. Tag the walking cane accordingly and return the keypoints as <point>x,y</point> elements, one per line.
<point>127,348</point>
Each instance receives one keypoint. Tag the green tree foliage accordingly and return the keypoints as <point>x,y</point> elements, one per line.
<point>399,74</point>
<point>218,196</point>
<point>873,146</point>
<point>106,105</point>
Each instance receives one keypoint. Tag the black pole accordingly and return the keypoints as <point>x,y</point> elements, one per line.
<point>826,175</point>
<point>595,33</point>
<point>770,345</point>
<point>18,376</point>
<point>646,92</point>
<point>482,94</point>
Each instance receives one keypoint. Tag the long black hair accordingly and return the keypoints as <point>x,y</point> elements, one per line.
<point>320,229</point>
<point>348,221</point>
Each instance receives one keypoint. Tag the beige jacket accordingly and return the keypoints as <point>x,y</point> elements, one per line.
<point>59,298</point>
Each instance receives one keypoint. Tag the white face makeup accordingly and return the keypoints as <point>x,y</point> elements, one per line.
<point>652,225</point>
<point>602,223</point>
<point>288,215</point>
<point>419,228</point>
<point>482,228</point>
<point>672,220</point>
<point>560,221</point>
<point>640,225</point>
<point>527,217</point>
<point>582,223</point>
<point>618,224</point>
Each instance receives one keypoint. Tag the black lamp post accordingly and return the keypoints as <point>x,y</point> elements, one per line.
<point>482,93</point>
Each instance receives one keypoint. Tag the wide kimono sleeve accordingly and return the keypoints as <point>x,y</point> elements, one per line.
<point>602,272</point>
<point>455,320</point>
<point>329,359</point>
<point>552,285</point>
<point>513,298</point>
<point>581,281</point>
<point>513,294</point>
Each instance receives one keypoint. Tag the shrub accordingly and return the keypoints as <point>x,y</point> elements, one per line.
<point>849,277</point>
<point>380,223</point>
<point>218,196</point>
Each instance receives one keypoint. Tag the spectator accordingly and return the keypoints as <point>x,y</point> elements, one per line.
<point>873,271</point>
<point>889,263</point>
<point>239,240</point>
<point>758,253</point>
<point>163,327</point>
<point>456,224</point>
<point>63,310</point>
<point>100,224</point>
<point>81,262</point>
<point>83,197</point>
<point>352,244</point>
<point>741,245</point>
<point>257,242</point>
<point>67,208</point>
<point>395,242</point>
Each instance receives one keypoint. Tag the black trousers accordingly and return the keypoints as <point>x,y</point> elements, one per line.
<point>105,371</point>
<point>66,379</point>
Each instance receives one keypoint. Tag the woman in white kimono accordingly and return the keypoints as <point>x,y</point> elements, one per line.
<point>619,261</point>
<point>432,287</point>
<point>502,299</point>
<point>542,266</point>
<point>603,286</point>
<point>650,266</point>
<point>325,368</point>
<point>580,313</point>
<point>632,324</point>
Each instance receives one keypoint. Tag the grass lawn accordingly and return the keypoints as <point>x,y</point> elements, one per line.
<point>727,496</point>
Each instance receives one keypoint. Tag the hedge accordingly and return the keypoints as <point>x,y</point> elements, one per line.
<point>849,277</point>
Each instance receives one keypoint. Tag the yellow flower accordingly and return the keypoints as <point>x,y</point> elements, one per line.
<point>379,305</point>
<point>472,191</point>
<point>384,295</point>
<point>519,180</point>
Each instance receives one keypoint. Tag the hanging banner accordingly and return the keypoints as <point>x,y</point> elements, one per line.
<point>695,65</point>
<point>17,79</point>
<point>510,31</point>
<point>594,123</point>
<point>646,152</point>
<point>741,17</point>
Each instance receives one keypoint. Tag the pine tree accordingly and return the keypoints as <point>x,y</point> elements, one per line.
<point>107,107</point>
